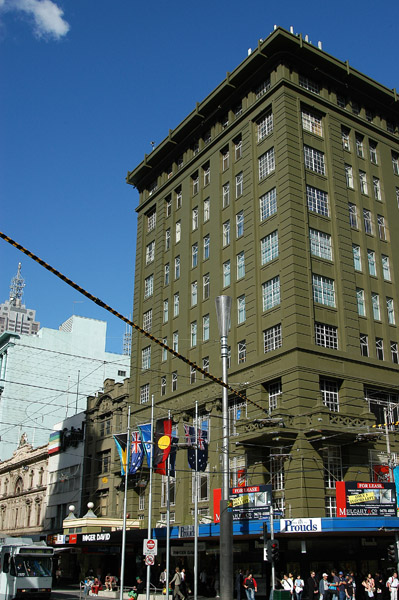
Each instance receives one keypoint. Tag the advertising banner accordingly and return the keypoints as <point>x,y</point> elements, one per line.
<point>252,502</point>
<point>356,499</point>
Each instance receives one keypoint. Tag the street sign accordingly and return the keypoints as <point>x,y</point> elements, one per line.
<point>150,546</point>
<point>150,560</point>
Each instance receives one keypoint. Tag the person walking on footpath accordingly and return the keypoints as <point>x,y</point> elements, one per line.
<point>250,586</point>
<point>298,587</point>
<point>324,587</point>
<point>239,583</point>
<point>313,586</point>
<point>392,585</point>
<point>177,580</point>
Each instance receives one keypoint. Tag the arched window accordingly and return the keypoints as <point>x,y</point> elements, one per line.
<point>19,486</point>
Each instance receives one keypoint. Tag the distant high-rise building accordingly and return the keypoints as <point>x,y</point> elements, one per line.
<point>14,316</point>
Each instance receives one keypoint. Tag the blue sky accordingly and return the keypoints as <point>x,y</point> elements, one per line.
<point>88,84</point>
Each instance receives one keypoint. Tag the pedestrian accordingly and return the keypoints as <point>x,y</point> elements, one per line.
<point>349,591</point>
<point>392,585</point>
<point>177,580</point>
<point>287,583</point>
<point>352,575</point>
<point>379,586</point>
<point>313,586</point>
<point>333,588</point>
<point>341,586</point>
<point>250,586</point>
<point>324,587</point>
<point>163,578</point>
<point>97,585</point>
<point>369,586</point>
<point>298,587</point>
<point>239,582</point>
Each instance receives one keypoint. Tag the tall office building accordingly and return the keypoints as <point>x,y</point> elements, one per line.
<point>14,316</point>
<point>281,190</point>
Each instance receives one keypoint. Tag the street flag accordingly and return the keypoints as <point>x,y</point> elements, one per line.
<point>137,453</point>
<point>162,442</point>
<point>120,441</point>
<point>202,447</point>
<point>172,457</point>
<point>145,433</point>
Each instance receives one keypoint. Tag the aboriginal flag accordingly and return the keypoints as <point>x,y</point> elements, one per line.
<point>162,443</point>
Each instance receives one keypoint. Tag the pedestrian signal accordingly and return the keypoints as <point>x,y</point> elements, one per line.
<point>391,551</point>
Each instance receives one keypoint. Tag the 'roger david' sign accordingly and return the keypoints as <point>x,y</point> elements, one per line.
<point>300,525</point>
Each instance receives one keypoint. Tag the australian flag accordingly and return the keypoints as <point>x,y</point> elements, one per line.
<point>137,453</point>
<point>202,447</point>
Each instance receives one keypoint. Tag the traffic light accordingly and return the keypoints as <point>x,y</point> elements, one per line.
<point>391,551</point>
<point>272,551</point>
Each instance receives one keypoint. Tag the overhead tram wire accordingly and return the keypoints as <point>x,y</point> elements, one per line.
<point>114,312</point>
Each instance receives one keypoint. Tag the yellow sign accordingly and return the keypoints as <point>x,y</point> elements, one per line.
<point>241,500</point>
<point>359,498</point>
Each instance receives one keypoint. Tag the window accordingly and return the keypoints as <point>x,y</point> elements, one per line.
<point>330,503</point>
<point>168,206</point>
<point>368,223</point>
<point>165,311</point>
<point>363,182</point>
<point>272,338</point>
<point>241,352</point>
<point>320,244</point>
<point>144,393</point>
<point>240,224</point>
<point>381,228</point>
<point>207,208</point>
<point>355,108</point>
<point>391,127</point>
<point>275,393</point>
<point>341,101</point>
<point>309,84</point>
<point>326,335</point>
<point>194,218</point>
<point>177,267</point>
<point>203,485</point>
<point>193,334</point>
<point>314,160</point>
<point>317,201</point>
<point>174,381</point>
<point>147,320</point>
<point>240,265</point>
<point>206,286</point>
<point>353,215</point>
<point>180,162</point>
<point>264,126</point>
<point>175,341</point>
<point>277,474</point>
<point>373,152</point>
<point>239,184</point>
<point>225,158</point>
<point>271,293</point>
<point>332,466</point>
<point>349,176</point>
<point>379,348</point>
<point>364,344</point>
<point>371,263</point>
<point>237,411</point>
<point>238,148</point>
<point>163,385</point>
<point>205,328</point>
<point>179,197</point>
<point>237,109</point>
<point>241,312</point>
<point>375,303</point>
<point>357,259</point>
<point>359,145</point>
<point>176,304</point>
<point>171,482</point>
<point>397,196</point>
<point>150,253</point>
<point>164,351</point>
<point>323,290</point>
<point>205,364</point>
<point>226,233</point>
<point>207,241</point>
<point>394,352</point>
<point>193,374</point>
<point>269,247</point>
<point>104,462</point>
<point>207,174</point>
<point>194,293</point>
<point>377,188</point>
<point>361,307</point>
<point>226,273</point>
<point>345,138</point>
<point>262,88</point>
<point>312,122</point>
<point>167,239</point>
<point>390,311</point>
<point>195,183</point>
<point>395,162</point>
<point>369,115</point>
<point>268,204</point>
<point>266,163</point>
<point>148,286</point>
<point>178,231</point>
<point>226,194</point>
<point>166,274</point>
<point>329,393</point>
<point>196,148</point>
<point>142,500</point>
<point>146,357</point>
<point>151,219</point>
<point>386,269</point>
<point>194,255</point>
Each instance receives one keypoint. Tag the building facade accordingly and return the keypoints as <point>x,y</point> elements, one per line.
<point>14,316</point>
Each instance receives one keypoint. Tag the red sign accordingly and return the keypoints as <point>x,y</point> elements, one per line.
<point>150,544</point>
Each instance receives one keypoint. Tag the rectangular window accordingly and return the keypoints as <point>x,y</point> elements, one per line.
<point>323,290</point>
<point>361,306</point>
<point>386,269</point>
<point>357,258</point>
<point>371,263</point>
<point>364,344</point>
<point>174,381</point>
<point>168,206</point>
<point>395,162</point>
<point>167,239</point>
<point>375,303</point>
<point>226,194</point>
<point>269,247</point>
<point>329,392</point>
<point>326,336</point>
<point>193,374</point>
<point>241,311</point>
<point>266,163</point>
<point>381,228</point>
<point>147,320</point>
<point>237,411</point>
<point>271,293</point>
<point>345,138</point>
<point>317,201</point>
<point>226,273</point>
<point>146,357</point>
<point>341,101</point>
<point>349,176</point>
<point>225,158</point>
<point>238,148</point>
<point>203,486</point>
<point>194,218</point>
<point>377,188</point>
<point>205,328</point>
<point>390,311</point>
<point>379,348</point>
<point>194,255</point>
<point>207,241</point>
<point>163,385</point>
<point>320,244</point>
<point>353,215</point>
<point>240,224</point>
<point>373,152</point>
<point>165,311</point>
<point>355,107</point>
<point>264,126</point>
<point>272,338</point>
<point>207,208</point>
<point>309,84</point>
<point>195,183</point>
<point>177,267</point>
<point>148,286</point>
<point>179,198</point>
<point>166,274</point>
<point>312,122</point>
<point>207,174</point>
<point>363,182</point>
<point>175,343</point>
<point>275,392</point>
<point>194,293</point>
<point>394,352</point>
<point>241,352</point>
<point>151,219</point>
<point>205,364</point>
<point>368,223</point>
<point>176,304</point>
<point>263,88</point>
<point>178,231</point>
<point>240,265</point>
<point>239,184</point>
<point>314,160</point>
<point>206,286</point>
<point>359,146</point>
<point>193,334</point>
<point>164,351</point>
<point>397,196</point>
<point>144,393</point>
<point>332,471</point>
<point>268,204</point>
<point>226,233</point>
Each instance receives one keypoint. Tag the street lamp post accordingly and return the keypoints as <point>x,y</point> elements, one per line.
<point>223,311</point>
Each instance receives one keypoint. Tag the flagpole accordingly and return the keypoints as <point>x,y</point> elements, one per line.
<point>123,550</point>
<point>196,506</point>
<point>168,525</point>
<point>150,495</point>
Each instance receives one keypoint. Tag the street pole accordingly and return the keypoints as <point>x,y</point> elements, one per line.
<point>223,311</point>
<point>168,527</point>
<point>273,565</point>
<point>123,549</point>
<point>149,529</point>
<point>196,506</point>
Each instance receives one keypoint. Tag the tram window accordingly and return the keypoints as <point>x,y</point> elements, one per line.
<point>6,562</point>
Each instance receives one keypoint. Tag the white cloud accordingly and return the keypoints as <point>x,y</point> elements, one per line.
<point>47,16</point>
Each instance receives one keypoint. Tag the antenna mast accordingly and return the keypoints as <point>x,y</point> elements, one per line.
<point>17,287</point>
